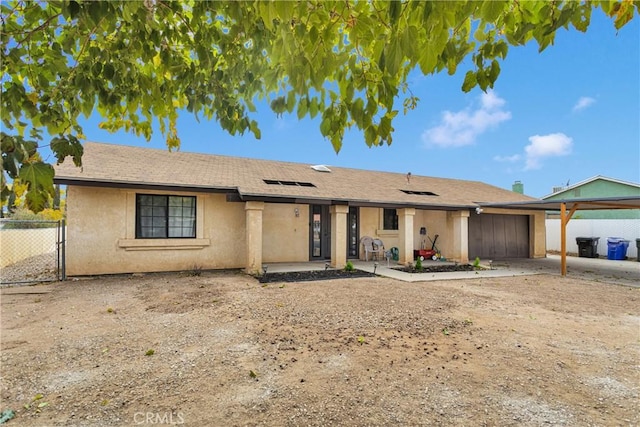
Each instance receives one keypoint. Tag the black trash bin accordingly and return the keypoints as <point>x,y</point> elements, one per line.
<point>587,247</point>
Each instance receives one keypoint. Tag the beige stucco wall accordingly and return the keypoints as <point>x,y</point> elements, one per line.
<point>286,236</point>
<point>101,234</point>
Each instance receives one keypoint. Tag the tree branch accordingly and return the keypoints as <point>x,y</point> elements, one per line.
<point>38,28</point>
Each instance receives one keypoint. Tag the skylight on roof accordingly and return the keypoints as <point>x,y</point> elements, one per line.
<point>290,183</point>
<point>320,168</point>
<point>419,193</point>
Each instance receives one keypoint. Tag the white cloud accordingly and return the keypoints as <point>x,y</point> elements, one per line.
<point>491,101</point>
<point>583,102</point>
<point>461,128</point>
<point>552,145</point>
<point>508,159</point>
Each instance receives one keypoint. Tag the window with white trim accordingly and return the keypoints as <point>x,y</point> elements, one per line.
<point>165,217</point>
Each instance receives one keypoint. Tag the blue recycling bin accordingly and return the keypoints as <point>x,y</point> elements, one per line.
<point>617,248</point>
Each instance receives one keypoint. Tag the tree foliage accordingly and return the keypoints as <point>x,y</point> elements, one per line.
<point>139,62</point>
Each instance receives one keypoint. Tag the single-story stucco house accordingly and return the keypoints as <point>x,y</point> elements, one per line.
<point>132,209</point>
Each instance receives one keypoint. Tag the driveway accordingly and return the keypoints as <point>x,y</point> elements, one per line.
<point>596,269</point>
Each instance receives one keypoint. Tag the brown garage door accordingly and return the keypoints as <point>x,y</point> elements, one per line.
<point>494,236</point>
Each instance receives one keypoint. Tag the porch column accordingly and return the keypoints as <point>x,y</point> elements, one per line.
<point>459,236</point>
<point>339,235</point>
<point>253,234</point>
<point>405,234</point>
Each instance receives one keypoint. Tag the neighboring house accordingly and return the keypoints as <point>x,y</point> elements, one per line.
<point>597,187</point>
<point>135,209</point>
<point>603,224</point>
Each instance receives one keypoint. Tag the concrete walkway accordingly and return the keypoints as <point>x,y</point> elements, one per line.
<point>593,269</point>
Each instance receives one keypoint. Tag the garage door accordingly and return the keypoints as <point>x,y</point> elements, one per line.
<point>494,236</point>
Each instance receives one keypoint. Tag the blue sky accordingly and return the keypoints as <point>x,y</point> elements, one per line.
<point>563,115</point>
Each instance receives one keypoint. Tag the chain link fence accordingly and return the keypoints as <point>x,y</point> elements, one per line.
<point>31,251</point>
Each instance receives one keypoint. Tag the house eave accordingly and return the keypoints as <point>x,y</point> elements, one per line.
<point>346,202</point>
<point>141,185</point>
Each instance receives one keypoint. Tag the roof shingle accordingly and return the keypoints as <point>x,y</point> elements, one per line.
<point>113,165</point>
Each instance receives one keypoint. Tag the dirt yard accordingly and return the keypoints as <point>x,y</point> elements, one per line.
<point>223,349</point>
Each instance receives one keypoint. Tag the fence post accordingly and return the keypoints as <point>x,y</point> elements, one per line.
<point>63,267</point>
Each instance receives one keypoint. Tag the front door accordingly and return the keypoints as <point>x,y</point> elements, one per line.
<point>320,232</point>
<point>353,243</point>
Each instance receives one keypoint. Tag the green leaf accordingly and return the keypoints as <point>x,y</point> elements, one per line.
<point>253,126</point>
<point>384,129</point>
<point>394,57</point>
<point>428,60</point>
<point>470,81</point>
<point>65,146</point>
<point>39,179</point>
<point>291,101</point>
<point>491,9</point>
<point>494,72</point>
<point>325,126</point>
<point>303,108</point>
<point>74,9</point>
<point>357,112</point>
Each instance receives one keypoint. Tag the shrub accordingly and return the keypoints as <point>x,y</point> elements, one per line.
<point>348,266</point>
<point>24,218</point>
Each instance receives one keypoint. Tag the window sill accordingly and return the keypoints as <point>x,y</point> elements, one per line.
<point>388,233</point>
<point>162,244</point>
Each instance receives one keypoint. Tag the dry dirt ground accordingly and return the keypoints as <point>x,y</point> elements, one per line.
<point>222,349</point>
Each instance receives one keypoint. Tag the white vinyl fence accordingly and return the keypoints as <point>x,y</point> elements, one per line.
<point>628,229</point>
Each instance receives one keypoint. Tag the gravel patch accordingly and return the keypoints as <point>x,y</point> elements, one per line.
<point>39,268</point>
<point>225,349</point>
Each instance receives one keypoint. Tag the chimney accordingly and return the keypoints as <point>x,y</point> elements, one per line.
<point>518,187</point>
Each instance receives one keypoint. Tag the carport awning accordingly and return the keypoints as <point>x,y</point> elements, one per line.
<point>598,203</point>
<point>567,208</point>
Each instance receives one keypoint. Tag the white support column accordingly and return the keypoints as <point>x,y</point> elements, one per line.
<point>339,235</point>
<point>405,234</point>
<point>253,233</point>
<point>459,221</point>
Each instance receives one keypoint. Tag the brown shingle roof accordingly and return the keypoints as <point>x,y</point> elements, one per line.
<point>117,165</point>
